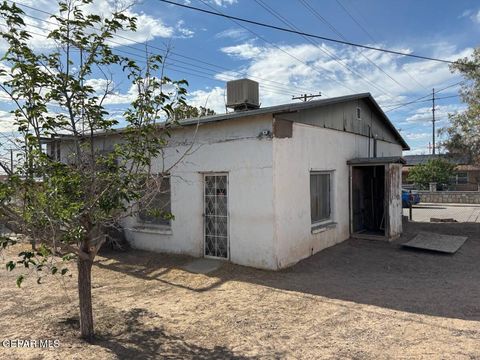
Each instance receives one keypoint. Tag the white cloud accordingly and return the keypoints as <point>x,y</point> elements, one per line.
<point>237,34</point>
<point>184,32</point>
<point>279,71</point>
<point>223,3</point>
<point>213,98</point>
<point>148,26</point>
<point>7,122</point>
<point>466,13</point>
<point>477,17</point>
<point>121,98</point>
<point>410,135</point>
<point>471,14</point>
<point>281,76</point>
<point>424,114</point>
<point>244,51</point>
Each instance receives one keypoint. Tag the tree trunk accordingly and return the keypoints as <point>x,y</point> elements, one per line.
<point>85,298</point>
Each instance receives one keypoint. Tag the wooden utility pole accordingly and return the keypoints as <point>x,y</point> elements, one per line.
<point>433,121</point>
<point>305,97</point>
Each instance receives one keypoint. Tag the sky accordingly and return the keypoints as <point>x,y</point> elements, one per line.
<point>207,51</point>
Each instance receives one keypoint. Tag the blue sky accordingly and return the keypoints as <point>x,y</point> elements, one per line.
<point>208,50</point>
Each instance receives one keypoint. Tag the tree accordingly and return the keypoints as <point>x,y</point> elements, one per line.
<point>435,170</point>
<point>185,111</point>
<point>65,207</point>
<point>464,130</point>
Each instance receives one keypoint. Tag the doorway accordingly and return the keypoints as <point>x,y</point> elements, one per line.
<point>368,210</point>
<point>216,216</point>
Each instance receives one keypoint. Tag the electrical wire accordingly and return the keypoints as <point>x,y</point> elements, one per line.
<point>321,73</point>
<point>176,68</point>
<point>423,97</point>
<point>253,22</point>
<point>316,44</point>
<point>264,82</point>
<point>375,41</point>
<point>315,13</point>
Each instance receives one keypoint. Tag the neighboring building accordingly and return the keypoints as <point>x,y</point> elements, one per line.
<point>267,187</point>
<point>466,178</point>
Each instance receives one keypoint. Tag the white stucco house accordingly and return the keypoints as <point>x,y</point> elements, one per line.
<point>267,187</point>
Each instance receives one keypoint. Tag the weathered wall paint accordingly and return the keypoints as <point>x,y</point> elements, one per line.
<point>269,190</point>
<point>233,147</point>
<point>313,148</point>
<point>395,210</point>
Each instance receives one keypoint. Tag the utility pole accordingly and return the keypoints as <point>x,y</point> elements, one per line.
<point>433,121</point>
<point>305,97</point>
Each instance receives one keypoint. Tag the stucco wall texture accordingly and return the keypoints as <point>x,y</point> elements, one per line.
<point>269,223</point>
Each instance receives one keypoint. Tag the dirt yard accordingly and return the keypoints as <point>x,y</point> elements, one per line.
<point>360,299</point>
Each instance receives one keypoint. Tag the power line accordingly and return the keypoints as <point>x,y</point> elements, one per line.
<point>265,82</point>
<point>423,97</point>
<point>419,101</point>
<point>253,22</point>
<point>316,44</point>
<point>268,88</point>
<point>375,41</point>
<point>312,10</point>
<point>287,53</point>
<point>172,67</point>
<point>174,53</point>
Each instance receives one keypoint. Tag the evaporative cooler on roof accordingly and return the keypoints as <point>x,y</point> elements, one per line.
<point>242,95</point>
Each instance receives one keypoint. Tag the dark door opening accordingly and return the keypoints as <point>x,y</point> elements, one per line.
<point>368,200</point>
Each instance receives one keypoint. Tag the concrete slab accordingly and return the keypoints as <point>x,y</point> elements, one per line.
<point>203,266</point>
<point>459,212</point>
<point>436,242</point>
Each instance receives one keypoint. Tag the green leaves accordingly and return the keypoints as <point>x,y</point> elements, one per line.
<point>10,265</point>
<point>20,279</point>
<point>464,130</point>
<point>436,170</point>
<point>63,204</point>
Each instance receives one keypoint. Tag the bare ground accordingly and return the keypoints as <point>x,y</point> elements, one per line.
<point>359,299</point>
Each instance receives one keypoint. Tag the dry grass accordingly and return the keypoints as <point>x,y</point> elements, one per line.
<point>359,299</point>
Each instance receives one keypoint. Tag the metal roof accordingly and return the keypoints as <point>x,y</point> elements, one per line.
<point>295,107</point>
<point>422,159</point>
<point>377,160</point>
<point>282,109</point>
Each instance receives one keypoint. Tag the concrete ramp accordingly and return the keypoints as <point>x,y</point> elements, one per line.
<point>203,266</point>
<point>436,242</point>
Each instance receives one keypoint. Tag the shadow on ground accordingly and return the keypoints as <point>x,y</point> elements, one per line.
<point>128,335</point>
<point>367,272</point>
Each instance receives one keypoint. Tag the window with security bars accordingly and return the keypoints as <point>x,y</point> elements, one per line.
<point>156,210</point>
<point>320,196</point>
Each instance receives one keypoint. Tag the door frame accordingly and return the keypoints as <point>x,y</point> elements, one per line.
<point>214,173</point>
<point>386,190</point>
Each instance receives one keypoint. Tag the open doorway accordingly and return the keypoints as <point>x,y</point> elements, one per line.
<point>368,201</point>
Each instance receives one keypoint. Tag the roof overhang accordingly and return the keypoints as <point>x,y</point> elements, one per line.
<point>377,161</point>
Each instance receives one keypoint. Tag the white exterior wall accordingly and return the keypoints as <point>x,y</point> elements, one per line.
<point>228,147</point>
<point>268,192</point>
<point>313,148</point>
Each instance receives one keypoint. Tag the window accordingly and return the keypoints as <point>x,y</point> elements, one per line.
<point>320,196</point>
<point>55,150</point>
<point>462,178</point>
<point>359,113</point>
<point>156,209</point>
